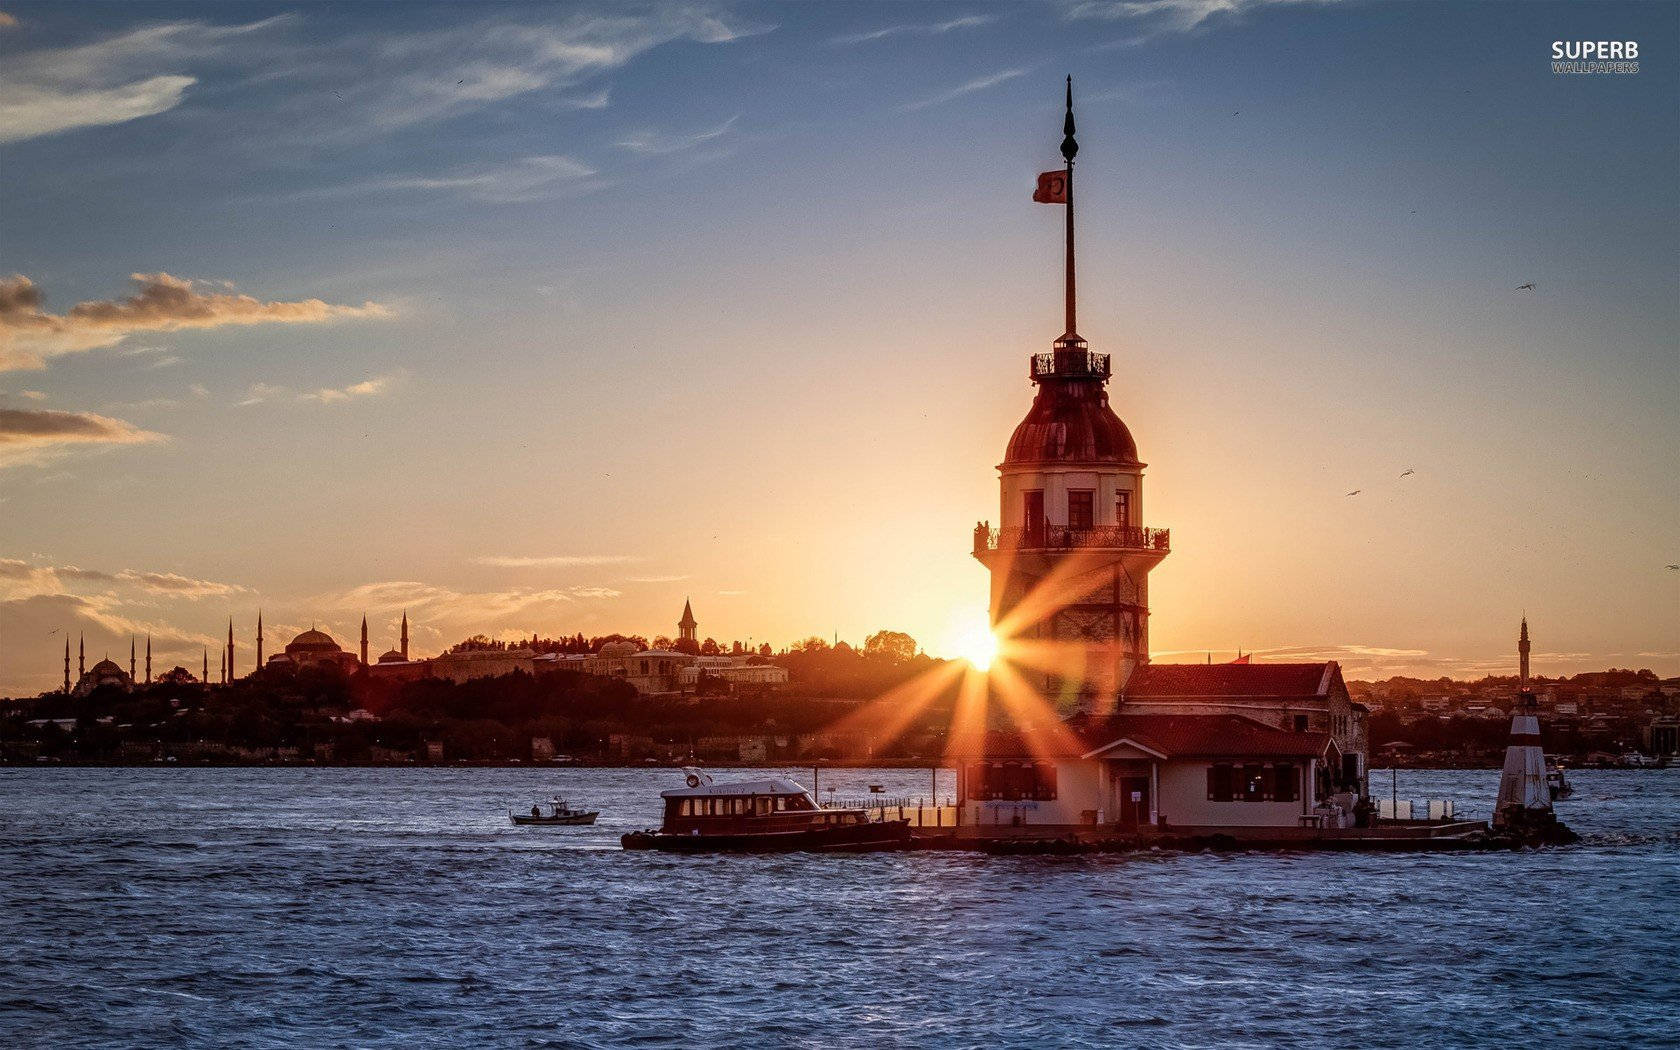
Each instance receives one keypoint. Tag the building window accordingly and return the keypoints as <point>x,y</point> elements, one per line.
<point>1300,723</point>
<point>1123,509</point>
<point>1254,783</point>
<point>1284,780</point>
<point>1032,512</point>
<point>1219,783</point>
<point>1011,781</point>
<point>1082,508</point>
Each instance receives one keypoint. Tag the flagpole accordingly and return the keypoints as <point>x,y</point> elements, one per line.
<point>1069,148</point>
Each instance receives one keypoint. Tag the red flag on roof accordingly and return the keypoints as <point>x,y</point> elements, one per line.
<point>1052,188</point>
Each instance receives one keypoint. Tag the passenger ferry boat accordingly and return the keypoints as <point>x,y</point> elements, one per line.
<point>773,815</point>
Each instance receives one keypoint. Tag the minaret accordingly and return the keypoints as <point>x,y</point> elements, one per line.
<point>404,647</point>
<point>206,678</point>
<point>131,659</point>
<point>81,656</point>
<point>687,625</point>
<point>364,640</point>
<point>67,663</point>
<point>148,659</point>
<point>1522,658</point>
<point>1524,798</point>
<point>1070,560</point>
<point>229,664</point>
<point>259,640</point>
<point>223,670</point>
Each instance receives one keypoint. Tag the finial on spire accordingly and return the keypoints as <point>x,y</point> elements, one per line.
<point>1070,146</point>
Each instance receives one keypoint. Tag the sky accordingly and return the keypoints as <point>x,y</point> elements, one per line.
<point>545,318</point>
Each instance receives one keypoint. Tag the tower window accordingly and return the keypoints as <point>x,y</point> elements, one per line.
<point>1082,505</point>
<point>1032,512</point>
<point>1123,509</point>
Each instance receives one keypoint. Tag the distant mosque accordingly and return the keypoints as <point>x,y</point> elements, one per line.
<point>106,672</point>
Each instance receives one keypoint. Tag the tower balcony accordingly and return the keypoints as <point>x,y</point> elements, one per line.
<point>1049,537</point>
<point>1069,363</point>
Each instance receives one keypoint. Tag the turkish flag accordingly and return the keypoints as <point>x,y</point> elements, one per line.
<point>1052,188</point>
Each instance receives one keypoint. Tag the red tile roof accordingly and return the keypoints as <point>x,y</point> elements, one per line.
<point>1172,736</point>
<point>1153,681</point>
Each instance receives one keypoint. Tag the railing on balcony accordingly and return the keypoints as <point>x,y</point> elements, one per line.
<point>1069,363</point>
<point>1061,537</point>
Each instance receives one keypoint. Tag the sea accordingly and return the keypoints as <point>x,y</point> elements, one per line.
<point>305,907</point>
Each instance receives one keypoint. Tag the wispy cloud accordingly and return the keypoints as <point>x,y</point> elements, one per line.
<point>526,179</point>
<point>968,88</point>
<point>468,610</point>
<point>111,81</point>
<point>374,387</point>
<point>258,393</point>
<point>22,578</point>
<point>918,29</point>
<point>26,435</point>
<point>163,303</point>
<point>658,579</point>
<point>653,143</point>
<point>1170,16</point>
<point>553,561</point>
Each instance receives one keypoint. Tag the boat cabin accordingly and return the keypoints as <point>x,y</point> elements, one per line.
<point>763,807</point>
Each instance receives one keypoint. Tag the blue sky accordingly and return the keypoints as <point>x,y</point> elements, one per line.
<point>560,313</point>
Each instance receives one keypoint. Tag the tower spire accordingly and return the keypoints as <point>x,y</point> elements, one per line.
<point>131,659</point>
<point>404,646</point>
<point>228,674</point>
<point>148,659</point>
<point>81,655</point>
<point>1522,657</point>
<point>206,678</point>
<point>67,662</point>
<point>259,640</point>
<point>1070,147</point>
<point>364,639</point>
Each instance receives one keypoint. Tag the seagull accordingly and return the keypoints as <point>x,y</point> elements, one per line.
<point>1356,492</point>
<point>1676,568</point>
<point>1529,287</point>
<point>1407,473</point>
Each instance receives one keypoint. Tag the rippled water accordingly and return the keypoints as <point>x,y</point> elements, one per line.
<point>337,907</point>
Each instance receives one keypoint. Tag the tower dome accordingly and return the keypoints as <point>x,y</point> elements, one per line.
<point>1070,421</point>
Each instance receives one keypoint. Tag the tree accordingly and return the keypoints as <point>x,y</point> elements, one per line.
<point>178,675</point>
<point>662,642</point>
<point>765,650</point>
<point>709,647</point>
<point>812,644</point>
<point>894,645</point>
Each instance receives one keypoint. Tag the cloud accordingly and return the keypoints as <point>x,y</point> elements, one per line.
<point>33,395</point>
<point>163,303</point>
<point>526,179</point>
<point>374,387</point>
<point>1170,16</point>
<point>652,143</point>
<point>553,561</point>
<point>658,579</point>
<point>27,434</point>
<point>19,577</point>
<point>978,84</point>
<point>7,21</point>
<point>257,393</point>
<point>921,29</point>
<point>111,81</point>
<point>469,610</point>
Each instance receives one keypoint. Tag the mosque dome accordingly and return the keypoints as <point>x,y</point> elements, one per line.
<point>313,641</point>
<point>392,657</point>
<point>107,667</point>
<point>1070,422</point>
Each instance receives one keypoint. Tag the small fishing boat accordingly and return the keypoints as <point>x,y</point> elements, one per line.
<point>767,816</point>
<point>560,814</point>
<point>1558,785</point>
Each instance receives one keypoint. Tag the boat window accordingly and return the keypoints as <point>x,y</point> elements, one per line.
<point>781,803</point>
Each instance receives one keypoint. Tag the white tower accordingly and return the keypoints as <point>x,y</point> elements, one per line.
<point>1071,557</point>
<point>1523,794</point>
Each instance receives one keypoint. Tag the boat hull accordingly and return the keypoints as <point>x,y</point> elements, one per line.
<point>852,838</point>
<point>574,820</point>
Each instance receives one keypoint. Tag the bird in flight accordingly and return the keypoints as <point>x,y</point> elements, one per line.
<point>1356,492</point>
<point>1676,568</point>
<point>1407,473</point>
<point>1529,287</point>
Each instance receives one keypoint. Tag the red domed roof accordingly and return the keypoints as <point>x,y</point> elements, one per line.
<point>1070,422</point>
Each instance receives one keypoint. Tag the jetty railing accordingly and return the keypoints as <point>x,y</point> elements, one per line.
<point>920,812</point>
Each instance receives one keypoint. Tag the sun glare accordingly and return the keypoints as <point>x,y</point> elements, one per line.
<point>972,640</point>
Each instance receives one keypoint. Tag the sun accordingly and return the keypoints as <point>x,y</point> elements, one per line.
<point>971,639</point>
